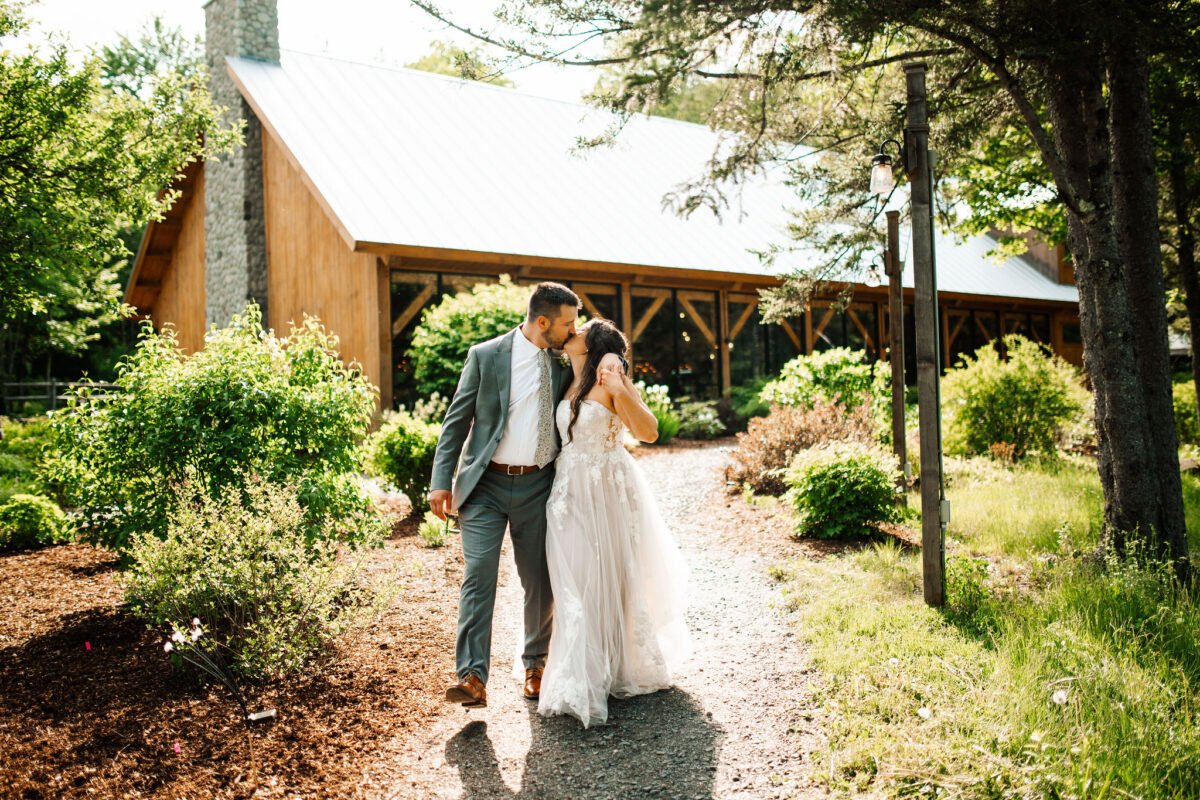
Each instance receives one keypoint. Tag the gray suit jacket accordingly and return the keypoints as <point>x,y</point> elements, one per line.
<point>478,413</point>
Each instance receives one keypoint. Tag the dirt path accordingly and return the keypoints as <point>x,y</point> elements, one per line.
<point>738,725</point>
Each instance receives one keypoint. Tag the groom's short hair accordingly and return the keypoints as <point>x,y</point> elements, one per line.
<point>548,299</point>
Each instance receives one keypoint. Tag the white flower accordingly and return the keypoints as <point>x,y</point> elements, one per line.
<point>168,647</point>
<point>1059,697</point>
<point>893,661</point>
<point>195,634</point>
<point>196,621</point>
<point>177,637</point>
<point>924,713</point>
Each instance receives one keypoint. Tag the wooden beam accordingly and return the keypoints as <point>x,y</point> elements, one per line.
<point>627,315</point>
<point>783,323</point>
<point>808,327</point>
<point>649,315</point>
<point>861,328</point>
<point>414,308</point>
<point>587,303</point>
<point>383,287</point>
<point>699,320</point>
<point>951,335</point>
<point>824,321</point>
<point>743,319</point>
<point>723,327</point>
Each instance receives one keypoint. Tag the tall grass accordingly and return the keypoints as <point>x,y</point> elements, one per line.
<point>1034,508</point>
<point>1087,687</point>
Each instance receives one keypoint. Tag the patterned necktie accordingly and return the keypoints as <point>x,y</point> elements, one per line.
<point>545,441</point>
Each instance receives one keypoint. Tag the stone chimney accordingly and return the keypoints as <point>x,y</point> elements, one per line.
<point>235,270</point>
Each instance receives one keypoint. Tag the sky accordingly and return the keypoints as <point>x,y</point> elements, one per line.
<point>390,32</point>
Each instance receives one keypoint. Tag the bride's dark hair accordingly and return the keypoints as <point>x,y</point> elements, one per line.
<point>601,338</point>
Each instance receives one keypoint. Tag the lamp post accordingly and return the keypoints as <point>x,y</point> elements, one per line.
<point>917,161</point>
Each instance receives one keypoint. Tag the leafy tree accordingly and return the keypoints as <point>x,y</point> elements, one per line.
<point>79,165</point>
<point>1071,75</point>
<point>132,66</point>
<point>472,64</point>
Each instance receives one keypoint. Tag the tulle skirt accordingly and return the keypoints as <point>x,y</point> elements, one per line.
<point>619,584</point>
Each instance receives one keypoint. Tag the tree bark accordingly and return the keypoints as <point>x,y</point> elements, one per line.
<point>1135,192</point>
<point>1079,120</point>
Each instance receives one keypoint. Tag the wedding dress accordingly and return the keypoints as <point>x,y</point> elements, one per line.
<point>617,577</point>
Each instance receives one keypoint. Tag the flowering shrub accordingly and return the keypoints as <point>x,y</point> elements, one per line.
<point>29,521</point>
<point>839,489</point>
<point>1023,401</point>
<point>658,399</point>
<point>449,329</point>
<point>699,420</point>
<point>242,564</point>
<point>401,451</point>
<point>840,375</point>
<point>248,403</point>
<point>770,443</point>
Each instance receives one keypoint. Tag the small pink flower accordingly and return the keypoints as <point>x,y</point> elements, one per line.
<point>178,749</point>
<point>168,647</point>
<point>88,645</point>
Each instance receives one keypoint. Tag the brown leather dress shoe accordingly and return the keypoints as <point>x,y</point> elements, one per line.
<point>533,683</point>
<point>469,692</point>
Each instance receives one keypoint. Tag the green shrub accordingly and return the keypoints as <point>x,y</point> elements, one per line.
<point>27,520</point>
<point>768,446</point>
<point>247,404</point>
<point>840,489</point>
<point>268,595</point>
<point>699,420</point>
<point>449,329</point>
<point>742,403</point>
<point>22,443</point>
<point>1183,396</point>
<point>658,400</point>
<point>1023,401</point>
<point>433,531</point>
<point>401,451</point>
<point>840,375</point>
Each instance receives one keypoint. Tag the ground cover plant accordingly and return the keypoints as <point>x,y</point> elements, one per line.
<point>268,596</point>
<point>22,442</point>
<point>1050,672</point>
<point>28,520</point>
<point>249,403</point>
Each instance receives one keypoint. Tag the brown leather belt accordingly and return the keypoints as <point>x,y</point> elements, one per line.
<point>509,469</point>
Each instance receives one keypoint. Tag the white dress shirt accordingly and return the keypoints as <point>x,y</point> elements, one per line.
<point>518,445</point>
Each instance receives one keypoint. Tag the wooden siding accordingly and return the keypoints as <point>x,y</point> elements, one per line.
<point>310,270</point>
<point>181,298</point>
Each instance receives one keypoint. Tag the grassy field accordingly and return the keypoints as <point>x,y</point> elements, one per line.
<point>1047,675</point>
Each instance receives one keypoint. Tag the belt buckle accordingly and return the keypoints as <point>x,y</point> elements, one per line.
<point>508,470</point>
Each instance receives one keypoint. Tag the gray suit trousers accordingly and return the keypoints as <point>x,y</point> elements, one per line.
<point>517,502</point>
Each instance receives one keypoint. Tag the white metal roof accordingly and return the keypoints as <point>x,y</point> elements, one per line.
<point>413,158</point>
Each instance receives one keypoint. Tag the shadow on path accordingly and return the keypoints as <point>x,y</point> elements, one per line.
<point>633,755</point>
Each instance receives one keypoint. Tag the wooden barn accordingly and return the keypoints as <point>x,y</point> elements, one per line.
<point>365,193</point>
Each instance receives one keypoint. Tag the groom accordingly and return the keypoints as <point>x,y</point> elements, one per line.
<point>503,410</point>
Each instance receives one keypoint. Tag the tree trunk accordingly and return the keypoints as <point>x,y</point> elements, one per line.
<point>1135,193</point>
<point>1178,158</point>
<point>1079,121</point>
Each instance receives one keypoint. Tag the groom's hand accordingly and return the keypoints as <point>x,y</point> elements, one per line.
<point>439,502</point>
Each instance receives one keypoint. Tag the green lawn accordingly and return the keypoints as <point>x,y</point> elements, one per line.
<point>1048,675</point>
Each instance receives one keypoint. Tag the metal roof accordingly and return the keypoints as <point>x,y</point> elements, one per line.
<point>412,158</point>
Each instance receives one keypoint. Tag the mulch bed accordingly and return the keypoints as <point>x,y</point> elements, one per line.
<point>90,705</point>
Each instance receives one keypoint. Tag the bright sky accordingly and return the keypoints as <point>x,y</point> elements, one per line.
<point>391,32</point>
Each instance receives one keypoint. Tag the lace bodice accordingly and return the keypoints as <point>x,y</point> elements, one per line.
<point>597,431</point>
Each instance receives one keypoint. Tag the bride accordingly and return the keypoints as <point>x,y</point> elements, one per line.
<point>616,575</point>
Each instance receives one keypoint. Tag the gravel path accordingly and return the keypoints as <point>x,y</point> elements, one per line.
<point>739,724</point>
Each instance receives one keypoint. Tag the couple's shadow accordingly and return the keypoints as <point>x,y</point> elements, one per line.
<point>661,745</point>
